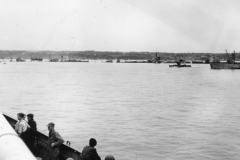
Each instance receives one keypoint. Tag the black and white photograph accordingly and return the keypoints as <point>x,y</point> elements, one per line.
<point>119,79</point>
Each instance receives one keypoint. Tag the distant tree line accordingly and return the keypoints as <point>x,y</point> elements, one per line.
<point>112,55</point>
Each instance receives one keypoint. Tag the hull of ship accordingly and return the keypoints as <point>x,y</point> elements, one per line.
<point>20,60</point>
<point>175,65</point>
<point>225,66</point>
<point>40,60</point>
<point>54,60</point>
<point>137,62</point>
<point>75,60</point>
<point>65,151</point>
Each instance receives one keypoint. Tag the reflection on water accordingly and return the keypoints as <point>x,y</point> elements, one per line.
<point>135,111</point>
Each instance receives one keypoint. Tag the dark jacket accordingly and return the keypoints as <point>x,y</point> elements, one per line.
<point>32,130</point>
<point>89,153</point>
<point>54,137</point>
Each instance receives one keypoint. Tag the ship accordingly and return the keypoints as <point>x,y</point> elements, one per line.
<point>230,64</point>
<point>76,60</point>
<point>157,59</point>
<point>54,60</point>
<point>19,59</point>
<point>109,61</point>
<point>36,59</point>
<point>180,63</point>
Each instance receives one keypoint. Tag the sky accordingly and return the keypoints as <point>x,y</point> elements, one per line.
<point>209,26</point>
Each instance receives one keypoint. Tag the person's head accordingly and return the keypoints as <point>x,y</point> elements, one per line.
<point>92,142</point>
<point>24,115</point>
<point>30,116</point>
<point>20,116</point>
<point>109,157</point>
<point>51,126</point>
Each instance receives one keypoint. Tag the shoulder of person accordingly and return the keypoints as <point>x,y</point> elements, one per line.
<point>56,134</point>
<point>92,149</point>
<point>32,122</point>
<point>22,122</point>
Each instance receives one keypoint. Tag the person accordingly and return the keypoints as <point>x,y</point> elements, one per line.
<point>26,123</point>
<point>54,141</point>
<point>109,157</point>
<point>31,132</point>
<point>21,127</point>
<point>89,152</point>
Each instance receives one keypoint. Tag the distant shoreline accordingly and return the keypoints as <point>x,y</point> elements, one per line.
<point>94,55</point>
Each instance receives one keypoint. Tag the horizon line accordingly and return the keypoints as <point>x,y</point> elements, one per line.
<point>114,51</point>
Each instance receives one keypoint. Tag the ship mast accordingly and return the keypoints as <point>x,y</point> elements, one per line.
<point>233,56</point>
<point>229,57</point>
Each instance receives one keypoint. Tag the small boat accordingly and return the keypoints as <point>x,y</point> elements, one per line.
<point>65,151</point>
<point>180,63</point>
<point>230,64</point>
<point>20,59</point>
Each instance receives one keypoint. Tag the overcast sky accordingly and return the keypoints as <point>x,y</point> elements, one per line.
<point>120,25</point>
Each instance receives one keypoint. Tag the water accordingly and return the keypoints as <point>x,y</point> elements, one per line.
<point>135,111</point>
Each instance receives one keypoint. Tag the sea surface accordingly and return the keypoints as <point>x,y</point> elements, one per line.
<point>134,111</point>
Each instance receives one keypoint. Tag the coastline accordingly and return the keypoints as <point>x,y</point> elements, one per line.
<point>100,55</point>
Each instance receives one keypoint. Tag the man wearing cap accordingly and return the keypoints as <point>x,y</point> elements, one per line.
<point>31,133</point>
<point>54,141</point>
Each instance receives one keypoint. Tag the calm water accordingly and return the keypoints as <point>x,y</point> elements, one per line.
<point>135,111</point>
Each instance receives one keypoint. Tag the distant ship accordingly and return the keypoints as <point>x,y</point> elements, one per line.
<point>157,59</point>
<point>230,64</point>
<point>36,59</point>
<point>54,60</point>
<point>180,63</point>
<point>20,60</point>
<point>76,60</point>
<point>109,61</point>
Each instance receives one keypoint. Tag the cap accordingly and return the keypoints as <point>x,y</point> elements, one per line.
<point>30,115</point>
<point>51,124</point>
